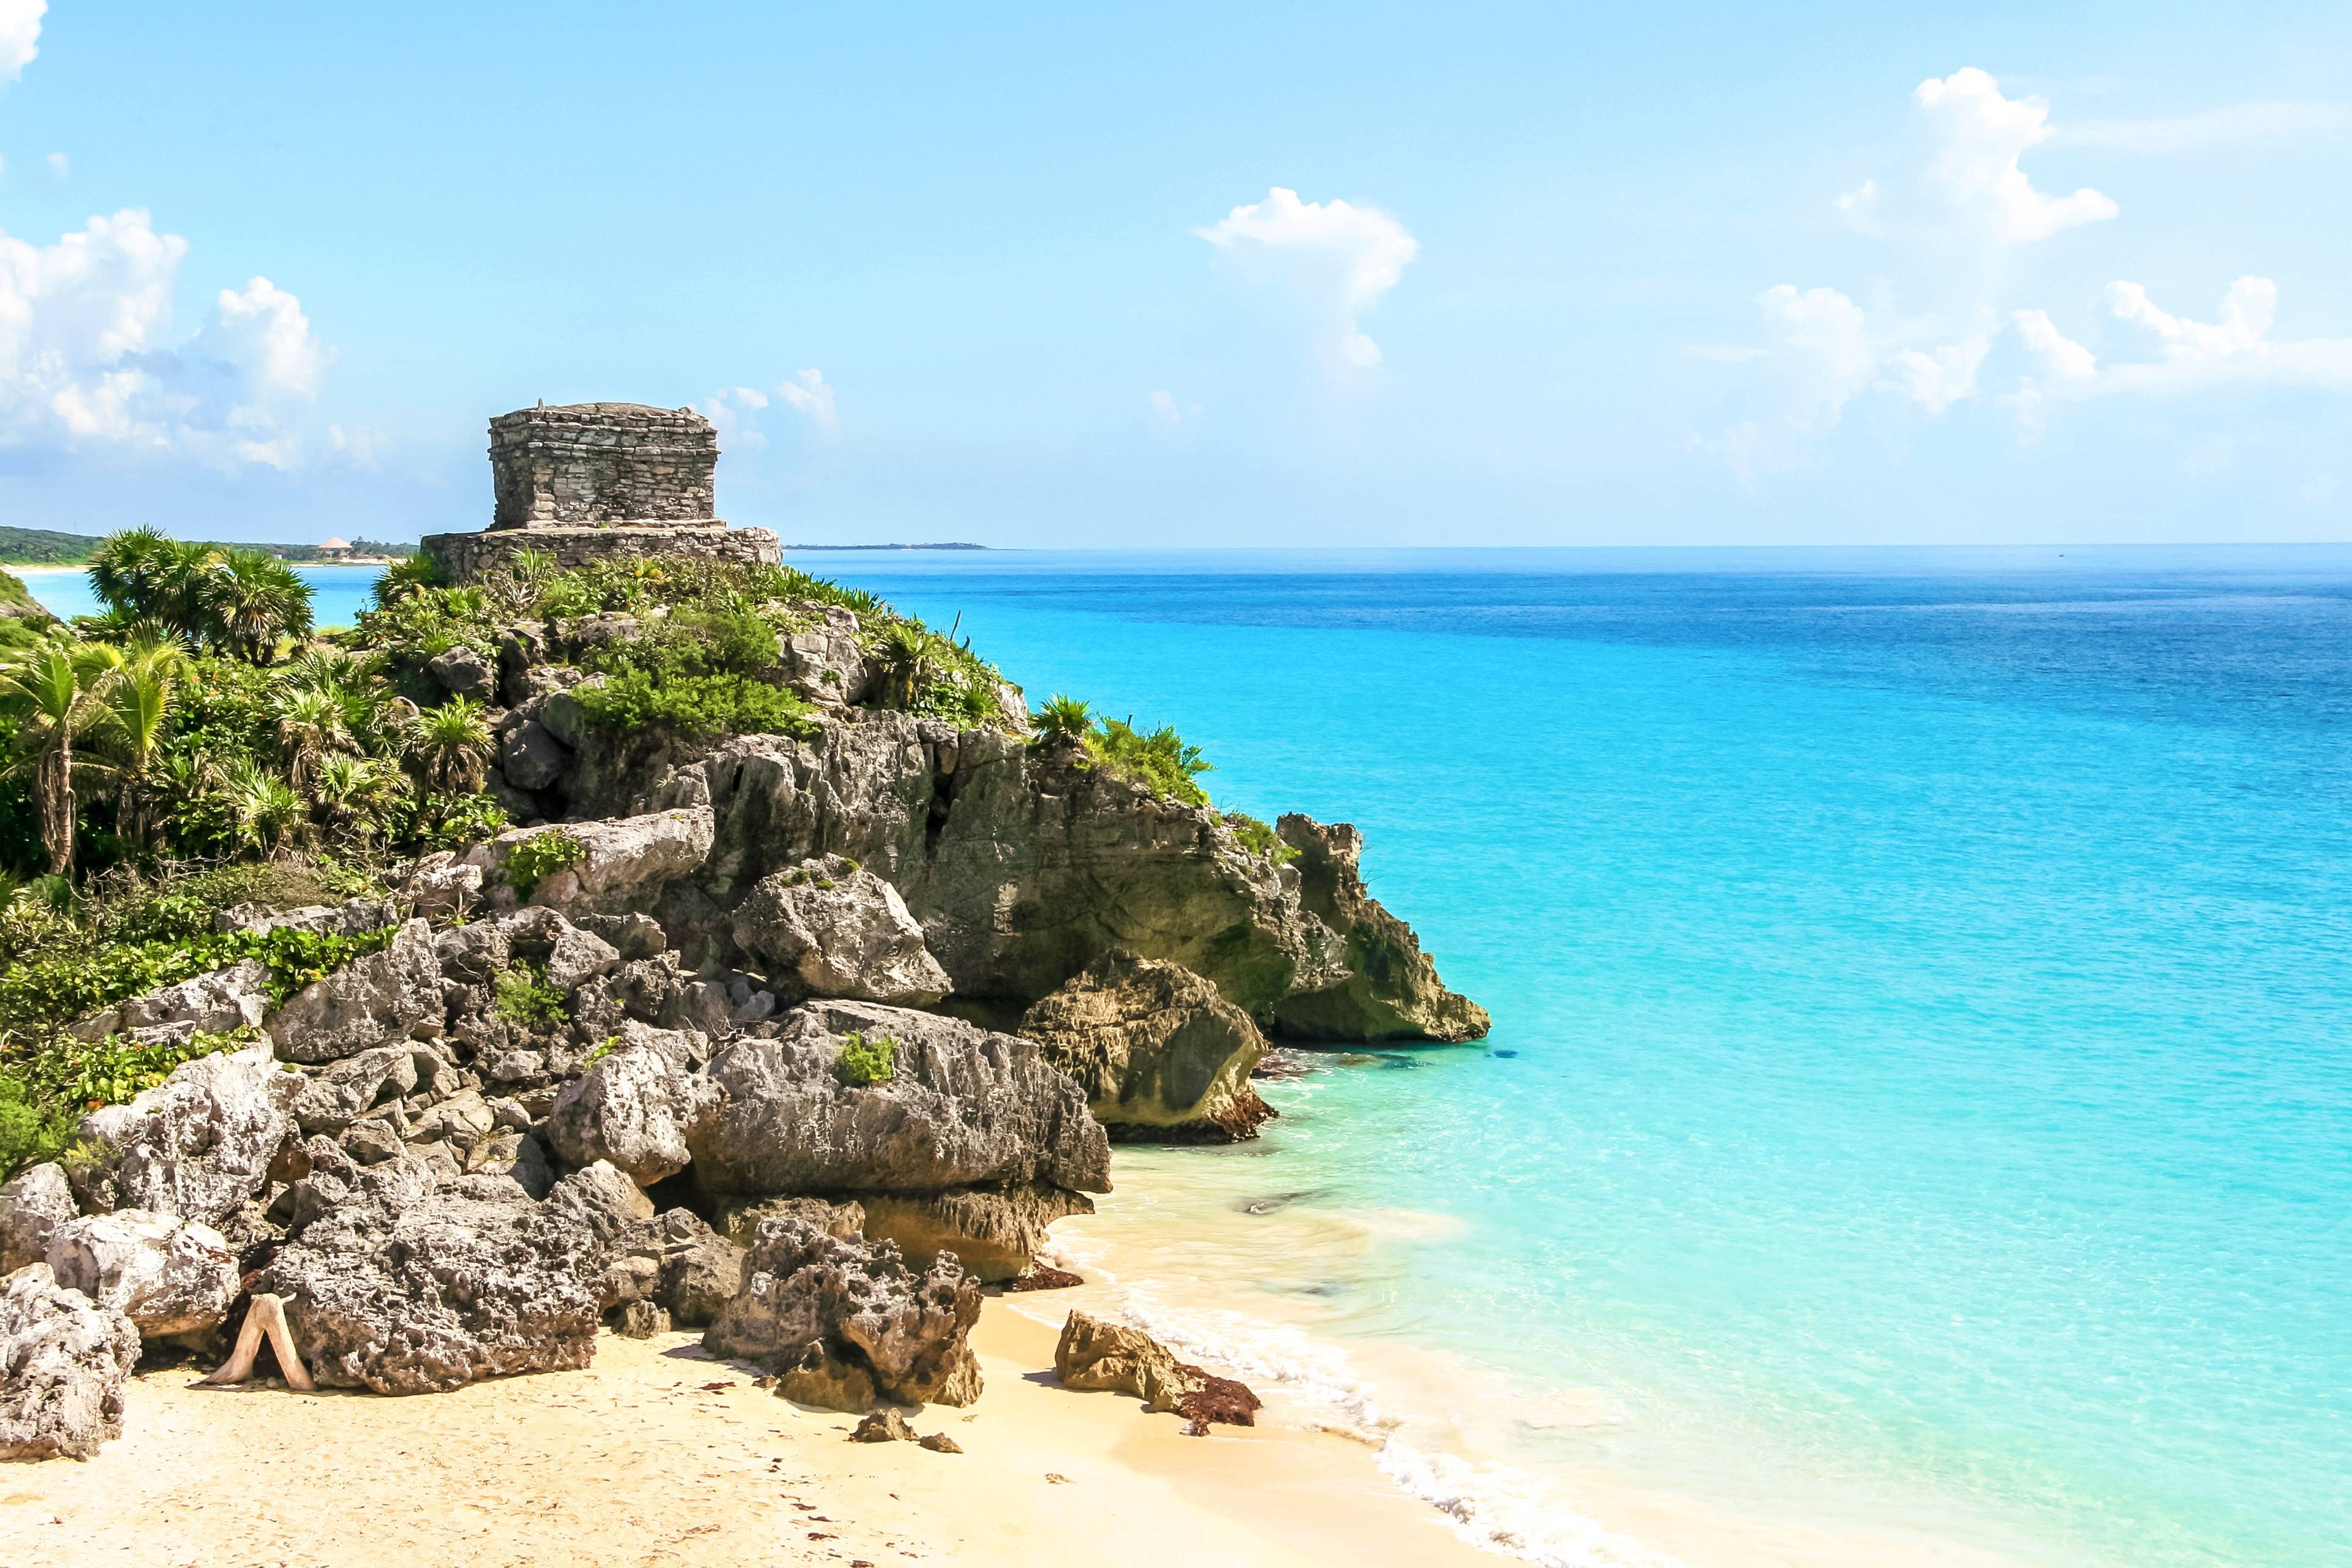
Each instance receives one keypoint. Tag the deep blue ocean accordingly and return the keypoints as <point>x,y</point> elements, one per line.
<point>1921,1083</point>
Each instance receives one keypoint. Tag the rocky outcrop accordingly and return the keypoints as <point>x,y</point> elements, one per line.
<point>1156,1049</point>
<point>167,1275</point>
<point>32,1205</point>
<point>837,929</point>
<point>739,1216</point>
<point>1390,990</point>
<point>636,1107</point>
<point>846,1324</point>
<point>1095,1354</point>
<point>964,1107</point>
<point>824,663</point>
<point>701,1269</point>
<point>407,1285</point>
<point>622,864</point>
<point>389,995</point>
<point>210,1004</point>
<point>995,1233</point>
<point>198,1144</point>
<point>63,1361</point>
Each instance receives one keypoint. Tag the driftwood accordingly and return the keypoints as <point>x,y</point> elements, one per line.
<point>267,1316</point>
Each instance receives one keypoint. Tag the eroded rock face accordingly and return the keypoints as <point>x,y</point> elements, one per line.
<point>1391,990</point>
<point>625,860</point>
<point>994,1233</point>
<point>839,930</point>
<point>32,1205</point>
<point>1093,1353</point>
<point>964,1108</point>
<point>212,1004</point>
<point>198,1144</point>
<point>385,996</point>
<point>167,1275</point>
<point>701,1269</point>
<point>739,1216</point>
<point>840,1313</point>
<point>63,1362</point>
<point>1156,1048</point>
<point>404,1285</point>
<point>635,1107</point>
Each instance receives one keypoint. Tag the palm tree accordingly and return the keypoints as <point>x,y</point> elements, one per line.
<point>269,816</point>
<point>405,579</point>
<point>357,795</point>
<point>451,747</point>
<point>59,690</point>
<point>255,599</point>
<point>1065,718</point>
<point>311,727</point>
<point>140,702</point>
<point>907,650</point>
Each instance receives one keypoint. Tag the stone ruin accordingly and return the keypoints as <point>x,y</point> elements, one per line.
<point>592,479</point>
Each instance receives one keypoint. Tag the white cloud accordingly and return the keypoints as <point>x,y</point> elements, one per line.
<point>1936,379</point>
<point>1823,343</point>
<point>2238,125</point>
<point>60,165</point>
<point>2236,348</point>
<point>1981,136</point>
<point>87,360</point>
<point>808,393</point>
<point>1349,256</point>
<point>20,35</point>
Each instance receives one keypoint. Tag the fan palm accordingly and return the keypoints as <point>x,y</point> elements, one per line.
<point>269,816</point>
<point>58,691</point>
<point>255,599</point>
<point>1065,718</point>
<point>312,725</point>
<point>451,747</point>
<point>139,698</point>
<point>357,795</point>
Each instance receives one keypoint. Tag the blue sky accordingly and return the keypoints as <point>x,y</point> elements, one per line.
<point>1241,275</point>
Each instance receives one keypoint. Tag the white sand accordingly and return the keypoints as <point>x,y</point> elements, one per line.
<point>637,1461</point>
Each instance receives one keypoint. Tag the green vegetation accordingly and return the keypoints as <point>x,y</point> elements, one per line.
<point>47,547</point>
<point>523,995</point>
<point>535,856</point>
<point>866,1061</point>
<point>1259,838</point>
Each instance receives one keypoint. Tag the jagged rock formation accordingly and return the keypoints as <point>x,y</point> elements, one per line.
<point>1096,1354</point>
<point>167,1275</point>
<point>1156,1050</point>
<point>32,1206</point>
<point>212,1003</point>
<point>198,1145</point>
<point>839,930</point>
<point>63,1361</point>
<point>846,1324</point>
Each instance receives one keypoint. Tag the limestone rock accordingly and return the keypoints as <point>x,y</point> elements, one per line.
<point>167,1275</point>
<point>636,1107</point>
<point>531,757</point>
<point>199,1143</point>
<point>404,1285</point>
<point>841,931</point>
<point>1391,991</point>
<point>1154,1047</point>
<point>441,884</point>
<point>641,1321</point>
<point>626,860</point>
<point>701,1269</point>
<point>32,1205</point>
<point>883,1426</point>
<point>463,672</point>
<point>209,1004</point>
<point>995,1233</point>
<point>63,1361</point>
<point>964,1108</point>
<point>579,956</point>
<point>739,1217</point>
<point>1093,1353</point>
<point>810,1298</point>
<point>385,996</point>
<point>331,1100</point>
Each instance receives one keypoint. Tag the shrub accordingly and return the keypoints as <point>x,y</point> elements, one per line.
<point>1160,760</point>
<point>46,1088</point>
<point>867,1061</point>
<point>535,856</point>
<point>1259,839</point>
<point>72,979</point>
<point>697,672</point>
<point>522,994</point>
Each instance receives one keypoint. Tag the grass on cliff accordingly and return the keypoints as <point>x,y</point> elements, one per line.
<point>1159,759</point>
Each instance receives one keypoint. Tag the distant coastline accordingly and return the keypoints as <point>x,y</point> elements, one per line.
<point>51,547</point>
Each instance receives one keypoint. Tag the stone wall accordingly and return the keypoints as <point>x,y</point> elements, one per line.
<point>603,463</point>
<point>462,557</point>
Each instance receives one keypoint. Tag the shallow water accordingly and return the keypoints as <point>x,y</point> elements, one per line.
<point>338,594</point>
<point>1926,1128</point>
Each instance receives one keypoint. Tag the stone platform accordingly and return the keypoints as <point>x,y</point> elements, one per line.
<point>462,557</point>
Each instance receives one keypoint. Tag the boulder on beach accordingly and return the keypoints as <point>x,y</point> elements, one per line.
<point>63,1361</point>
<point>1158,1049</point>
<point>32,1204</point>
<point>199,1144</point>
<point>167,1275</point>
<point>1095,1354</point>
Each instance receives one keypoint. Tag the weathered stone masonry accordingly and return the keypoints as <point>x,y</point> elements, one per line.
<point>594,479</point>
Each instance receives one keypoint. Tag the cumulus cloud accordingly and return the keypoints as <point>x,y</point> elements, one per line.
<point>1344,256</point>
<point>2062,360</point>
<point>88,359</point>
<point>1936,379</point>
<point>1981,137</point>
<point>2236,347</point>
<point>20,35</point>
<point>808,393</point>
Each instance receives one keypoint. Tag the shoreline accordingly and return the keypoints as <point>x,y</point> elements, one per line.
<point>690,1462</point>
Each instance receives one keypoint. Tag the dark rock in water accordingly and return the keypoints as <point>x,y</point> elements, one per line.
<point>63,1362</point>
<point>1391,991</point>
<point>1220,1400</point>
<point>1281,1064</point>
<point>404,1285</point>
<point>840,1321</point>
<point>962,1108</point>
<point>1158,1050</point>
<point>1044,1279</point>
<point>883,1426</point>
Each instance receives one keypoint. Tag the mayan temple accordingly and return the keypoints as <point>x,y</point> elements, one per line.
<point>592,479</point>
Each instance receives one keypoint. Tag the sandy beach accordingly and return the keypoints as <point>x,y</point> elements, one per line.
<point>660,1456</point>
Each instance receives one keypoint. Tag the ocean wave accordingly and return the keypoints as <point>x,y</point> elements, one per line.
<point>1490,1506</point>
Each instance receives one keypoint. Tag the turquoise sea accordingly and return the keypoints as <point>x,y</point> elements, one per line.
<point>1917,1126</point>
